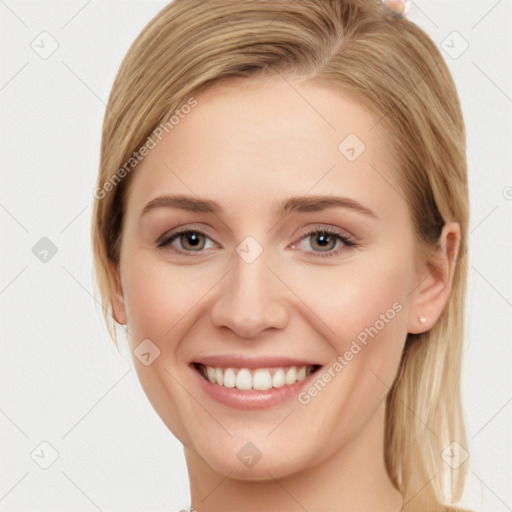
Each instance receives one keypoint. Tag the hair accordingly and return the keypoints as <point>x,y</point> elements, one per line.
<point>395,70</point>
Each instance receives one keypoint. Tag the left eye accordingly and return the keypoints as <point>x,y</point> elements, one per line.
<point>324,241</point>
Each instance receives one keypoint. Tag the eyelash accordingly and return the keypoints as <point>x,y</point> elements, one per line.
<point>167,239</point>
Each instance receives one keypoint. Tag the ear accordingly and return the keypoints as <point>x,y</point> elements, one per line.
<point>434,281</point>
<point>118,307</point>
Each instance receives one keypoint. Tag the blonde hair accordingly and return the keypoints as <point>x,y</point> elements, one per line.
<point>394,69</point>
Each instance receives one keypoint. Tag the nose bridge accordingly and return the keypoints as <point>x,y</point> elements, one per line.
<point>250,282</point>
<point>251,299</point>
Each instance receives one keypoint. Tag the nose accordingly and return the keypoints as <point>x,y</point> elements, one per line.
<point>250,300</point>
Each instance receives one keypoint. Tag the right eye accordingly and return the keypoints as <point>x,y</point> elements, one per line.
<point>186,241</point>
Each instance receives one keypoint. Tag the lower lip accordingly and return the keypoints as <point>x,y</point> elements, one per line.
<point>253,399</point>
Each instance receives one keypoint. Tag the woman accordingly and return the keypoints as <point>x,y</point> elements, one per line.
<point>281,222</point>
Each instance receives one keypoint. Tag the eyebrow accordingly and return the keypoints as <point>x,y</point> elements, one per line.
<point>293,204</point>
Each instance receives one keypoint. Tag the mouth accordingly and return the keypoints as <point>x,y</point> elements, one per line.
<point>255,379</point>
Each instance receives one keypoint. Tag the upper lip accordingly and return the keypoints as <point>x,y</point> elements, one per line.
<point>240,361</point>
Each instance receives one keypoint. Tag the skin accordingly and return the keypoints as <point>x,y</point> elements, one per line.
<point>249,148</point>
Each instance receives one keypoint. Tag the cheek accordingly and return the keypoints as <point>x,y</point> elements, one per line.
<point>352,297</point>
<point>365,307</point>
<point>159,295</point>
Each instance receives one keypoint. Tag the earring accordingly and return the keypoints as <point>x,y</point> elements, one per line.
<point>422,319</point>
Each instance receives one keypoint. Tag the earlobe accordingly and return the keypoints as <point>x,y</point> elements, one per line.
<point>118,307</point>
<point>434,282</point>
<point>118,311</point>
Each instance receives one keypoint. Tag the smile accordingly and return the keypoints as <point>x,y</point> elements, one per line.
<point>260,379</point>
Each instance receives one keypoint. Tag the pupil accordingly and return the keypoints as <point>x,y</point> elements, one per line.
<point>193,240</point>
<point>324,240</point>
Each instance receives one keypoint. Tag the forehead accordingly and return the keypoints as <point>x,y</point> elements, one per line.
<point>281,138</point>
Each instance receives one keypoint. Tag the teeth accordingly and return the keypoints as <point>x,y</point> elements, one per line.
<point>243,379</point>
<point>291,376</point>
<point>219,376</point>
<point>229,378</point>
<point>279,379</point>
<point>260,379</point>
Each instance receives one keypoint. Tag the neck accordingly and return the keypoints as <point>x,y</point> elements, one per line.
<point>354,478</point>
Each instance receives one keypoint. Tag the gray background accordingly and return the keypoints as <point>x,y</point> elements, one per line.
<point>63,382</point>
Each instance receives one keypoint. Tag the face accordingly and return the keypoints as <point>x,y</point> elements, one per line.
<point>266,262</point>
